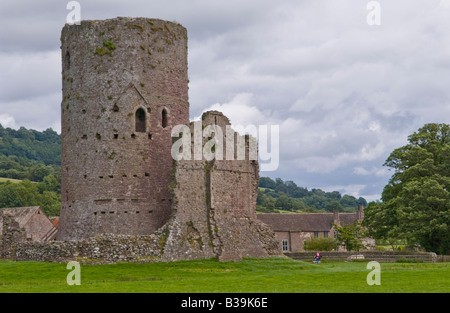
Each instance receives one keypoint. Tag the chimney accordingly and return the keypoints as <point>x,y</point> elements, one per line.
<point>336,217</point>
<point>360,212</point>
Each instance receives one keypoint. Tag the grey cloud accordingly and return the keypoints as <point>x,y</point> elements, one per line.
<point>344,93</point>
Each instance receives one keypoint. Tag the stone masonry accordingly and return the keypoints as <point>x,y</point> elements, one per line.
<point>214,207</point>
<point>11,235</point>
<point>124,197</point>
<point>124,86</point>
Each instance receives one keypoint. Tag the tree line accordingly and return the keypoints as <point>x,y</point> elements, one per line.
<point>276,195</point>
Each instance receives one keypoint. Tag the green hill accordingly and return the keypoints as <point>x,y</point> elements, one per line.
<point>285,196</point>
<point>29,154</point>
<point>30,169</point>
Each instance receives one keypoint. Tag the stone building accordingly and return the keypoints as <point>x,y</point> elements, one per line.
<point>291,230</point>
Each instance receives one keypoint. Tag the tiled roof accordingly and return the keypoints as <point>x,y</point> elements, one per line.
<point>21,215</point>
<point>305,221</point>
<point>55,221</point>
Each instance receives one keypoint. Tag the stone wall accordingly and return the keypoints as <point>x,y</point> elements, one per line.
<point>380,256</point>
<point>215,207</point>
<point>11,236</point>
<point>97,250</point>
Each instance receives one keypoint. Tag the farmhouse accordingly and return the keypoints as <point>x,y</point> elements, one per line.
<point>291,230</point>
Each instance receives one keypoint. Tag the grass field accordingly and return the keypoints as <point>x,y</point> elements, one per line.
<point>276,275</point>
<point>4,180</point>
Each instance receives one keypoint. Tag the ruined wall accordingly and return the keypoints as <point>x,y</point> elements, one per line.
<point>124,87</point>
<point>214,208</point>
<point>95,250</point>
<point>11,235</point>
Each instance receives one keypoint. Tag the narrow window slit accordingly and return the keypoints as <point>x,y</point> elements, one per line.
<point>140,121</point>
<point>164,118</point>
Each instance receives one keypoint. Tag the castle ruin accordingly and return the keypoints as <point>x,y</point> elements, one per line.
<point>125,86</point>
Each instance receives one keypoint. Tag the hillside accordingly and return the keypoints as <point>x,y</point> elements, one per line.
<point>30,169</point>
<point>279,196</point>
<point>29,154</point>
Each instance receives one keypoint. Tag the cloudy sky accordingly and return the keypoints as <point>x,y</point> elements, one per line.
<point>343,92</point>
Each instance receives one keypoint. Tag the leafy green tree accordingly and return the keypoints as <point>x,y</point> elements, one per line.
<point>284,203</point>
<point>298,205</point>
<point>18,195</point>
<point>351,235</point>
<point>280,185</point>
<point>382,222</point>
<point>50,183</point>
<point>50,202</point>
<point>362,201</point>
<point>267,182</point>
<point>334,195</point>
<point>334,205</point>
<point>348,201</point>
<point>416,201</point>
<point>28,193</point>
<point>39,171</point>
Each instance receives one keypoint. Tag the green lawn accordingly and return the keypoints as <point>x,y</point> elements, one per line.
<point>251,275</point>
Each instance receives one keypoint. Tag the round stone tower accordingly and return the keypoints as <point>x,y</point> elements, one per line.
<point>125,85</point>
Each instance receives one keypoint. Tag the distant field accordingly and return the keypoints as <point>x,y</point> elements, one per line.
<point>275,275</point>
<point>2,180</point>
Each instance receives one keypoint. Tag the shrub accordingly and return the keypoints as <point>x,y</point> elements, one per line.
<point>320,244</point>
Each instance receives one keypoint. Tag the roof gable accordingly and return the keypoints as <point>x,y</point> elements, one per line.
<point>22,215</point>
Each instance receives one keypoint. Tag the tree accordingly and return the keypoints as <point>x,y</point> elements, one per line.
<point>284,203</point>
<point>38,172</point>
<point>382,222</point>
<point>351,235</point>
<point>416,201</point>
<point>348,201</point>
<point>27,193</point>
<point>267,182</point>
<point>333,206</point>
<point>362,201</point>
<point>334,195</point>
